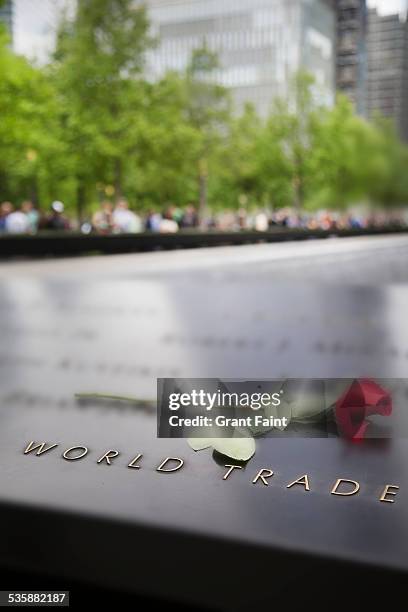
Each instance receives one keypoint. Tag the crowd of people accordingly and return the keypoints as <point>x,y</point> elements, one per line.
<point>27,219</point>
<point>121,219</point>
<point>108,219</point>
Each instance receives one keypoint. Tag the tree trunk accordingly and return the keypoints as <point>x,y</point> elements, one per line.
<point>298,193</point>
<point>80,202</point>
<point>34,191</point>
<point>202,190</point>
<point>118,179</point>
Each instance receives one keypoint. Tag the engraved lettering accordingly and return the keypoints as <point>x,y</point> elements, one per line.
<point>302,480</point>
<point>67,454</point>
<point>231,468</point>
<point>171,469</point>
<point>108,456</point>
<point>388,491</point>
<point>40,447</point>
<point>339,481</point>
<point>344,487</point>
<point>262,475</point>
<point>134,461</point>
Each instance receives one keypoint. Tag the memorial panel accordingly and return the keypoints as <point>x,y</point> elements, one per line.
<point>151,515</point>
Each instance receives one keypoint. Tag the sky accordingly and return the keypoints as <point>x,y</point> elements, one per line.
<point>35,21</point>
<point>34,26</point>
<point>388,6</point>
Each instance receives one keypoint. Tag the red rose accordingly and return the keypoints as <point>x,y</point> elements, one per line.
<point>363,398</point>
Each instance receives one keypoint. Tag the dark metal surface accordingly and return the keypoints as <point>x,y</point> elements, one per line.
<point>46,244</point>
<point>189,535</point>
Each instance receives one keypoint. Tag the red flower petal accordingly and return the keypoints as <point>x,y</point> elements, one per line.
<point>363,398</point>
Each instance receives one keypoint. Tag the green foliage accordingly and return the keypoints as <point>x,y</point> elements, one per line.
<point>99,60</point>
<point>91,125</point>
<point>235,164</point>
<point>31,153</point>
<point>164,166</point>
<point>207,112</point>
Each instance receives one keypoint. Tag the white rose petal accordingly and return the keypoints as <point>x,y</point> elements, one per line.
<point>240,449</point>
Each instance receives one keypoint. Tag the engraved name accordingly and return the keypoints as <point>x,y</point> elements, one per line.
<point>343,487</point>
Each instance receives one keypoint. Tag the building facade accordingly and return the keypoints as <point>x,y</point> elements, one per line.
<point>351,62</point>
<point>260,44</point>
<point>6,15</point>
<point>351,50</point>
<point>387,87</point>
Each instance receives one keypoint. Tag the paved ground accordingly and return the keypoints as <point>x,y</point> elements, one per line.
<point>362,260</point>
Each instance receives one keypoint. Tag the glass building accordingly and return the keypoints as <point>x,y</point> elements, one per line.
<point>6,15</point>
<point>387,45</point>
<point>260,44</point>
<point>351,51</point>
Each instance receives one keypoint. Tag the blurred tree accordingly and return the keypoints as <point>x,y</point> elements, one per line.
<point>284,148</point>
<point>99,61</point>
<point>169,147</point>
<point>29,144</point>
<point>340,156</point>
<point>208,111</point>
<point>354,160</point>
<point>388,183</point>
<point>235,179</point>
<point>274,167</point>
<point>297,142</point>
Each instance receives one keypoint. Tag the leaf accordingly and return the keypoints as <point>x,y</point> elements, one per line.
<point>240,449</point>
<point>200,443</point>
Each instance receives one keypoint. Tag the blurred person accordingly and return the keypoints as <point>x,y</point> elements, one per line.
<point>32,215</point>
<point>125,221</point>
<point>189,218</point>
<point>5,209</point>
<point>171,214</point>
<point>242,219</point>
<point>153,221</point>
<point>17,222</point>
<point>324,220</point>
<point>293,220</point>
<point>226,221</point>
<point>282,217</point>
<point>102,220</point>
<point>56,220</point>
<point>178,214</point>
<point>168,226</point>
<point>86,228</point>
<point>261,221</point>
<point>211,222</point>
